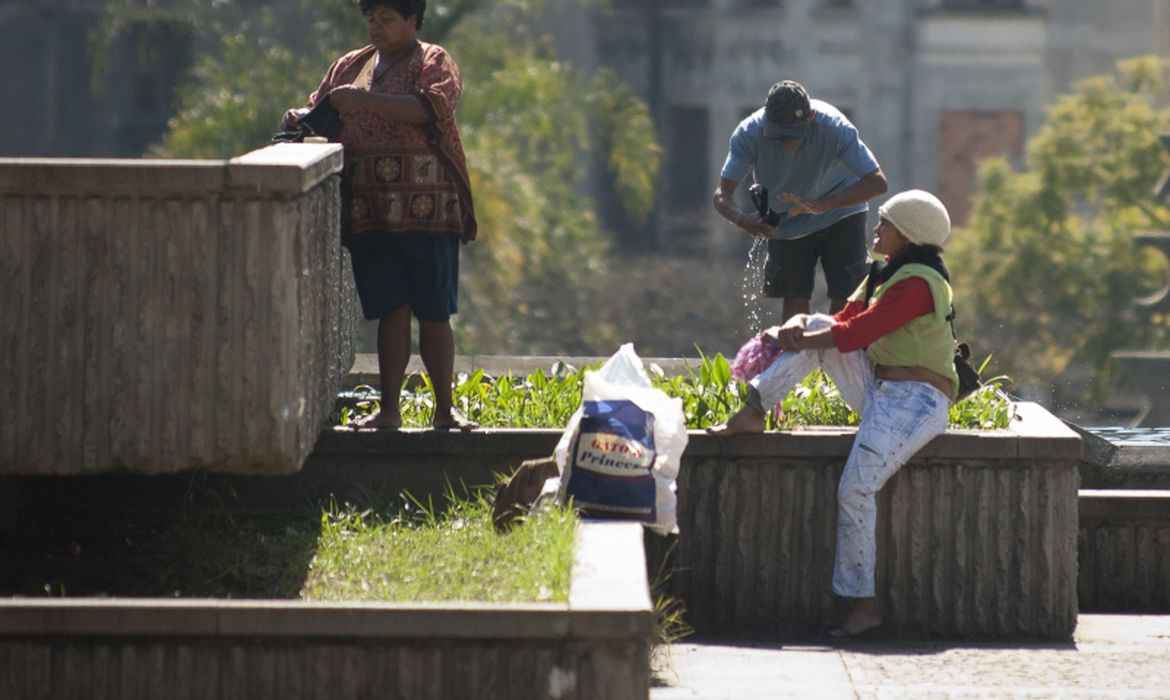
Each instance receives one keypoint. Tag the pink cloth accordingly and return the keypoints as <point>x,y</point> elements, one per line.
<point>754,357</point>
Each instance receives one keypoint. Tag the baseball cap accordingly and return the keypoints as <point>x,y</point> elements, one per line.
<point>786,111</point>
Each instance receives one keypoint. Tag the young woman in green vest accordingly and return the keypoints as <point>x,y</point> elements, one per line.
<point>892,357</point>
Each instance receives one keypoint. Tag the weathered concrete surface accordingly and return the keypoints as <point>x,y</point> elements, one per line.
<point>171,315</point>
<point>1112,656</point>
<point>1124,551</point>
<point>975,536</point>
<point>596,646</point>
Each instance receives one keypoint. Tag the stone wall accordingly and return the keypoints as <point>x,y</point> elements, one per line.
<point>977,535</point>
<point>171,315</point>
<point>1124,551</point>
<point>595,646</point>
<point>968,547</point>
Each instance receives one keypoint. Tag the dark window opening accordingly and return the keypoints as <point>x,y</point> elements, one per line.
<point>983,4</point>
<point>690,176</point>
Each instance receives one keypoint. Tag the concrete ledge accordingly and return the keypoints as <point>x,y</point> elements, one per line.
<point>1124,551</point>
<point>802,442</point>
<point>289,169</point>
<point>284,168</point>
<point>976,534</point>
<point>201,313</point>
<point>1128,505</point>
<point>596,645</point>
<point>1034,434</point>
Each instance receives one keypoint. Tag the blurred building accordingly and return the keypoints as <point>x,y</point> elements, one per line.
<point>933,85</point>
<point>66,93</point>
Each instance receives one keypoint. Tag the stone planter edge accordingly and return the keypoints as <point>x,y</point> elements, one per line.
<point>1034,434</point>
<point>609,598</point>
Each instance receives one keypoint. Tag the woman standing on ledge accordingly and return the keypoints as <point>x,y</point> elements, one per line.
<point>405,194</point>
<point>890,352</point>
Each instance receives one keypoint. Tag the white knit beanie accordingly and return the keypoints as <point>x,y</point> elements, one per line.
<point>919,216</point>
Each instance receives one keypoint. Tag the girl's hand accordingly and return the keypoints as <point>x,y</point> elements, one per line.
<point>790,338</point>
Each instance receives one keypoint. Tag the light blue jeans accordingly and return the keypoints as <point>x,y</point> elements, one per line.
<point>897,420</point>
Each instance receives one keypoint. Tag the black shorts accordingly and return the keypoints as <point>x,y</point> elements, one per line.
<point>419,270</point>
<point>791,266</point>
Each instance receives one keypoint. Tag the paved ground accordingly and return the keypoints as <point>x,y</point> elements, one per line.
<point>1112,656</point>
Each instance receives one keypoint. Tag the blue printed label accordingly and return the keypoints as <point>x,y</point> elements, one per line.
<point>612,472</point>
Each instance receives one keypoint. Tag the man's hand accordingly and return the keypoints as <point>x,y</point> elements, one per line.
<point>755,225</point>
<point>752,223</point>
<point>347,98</point>
<point>798,206</point>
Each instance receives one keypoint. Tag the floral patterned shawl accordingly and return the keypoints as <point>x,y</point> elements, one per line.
<point>405,177</point>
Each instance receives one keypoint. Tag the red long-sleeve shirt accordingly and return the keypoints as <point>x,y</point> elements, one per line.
<point>856,326</point>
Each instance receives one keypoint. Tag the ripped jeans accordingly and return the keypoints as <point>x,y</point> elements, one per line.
<point>897,420</point>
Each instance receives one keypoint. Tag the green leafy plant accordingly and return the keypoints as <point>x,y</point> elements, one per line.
<point>1046,266</point>
<point>709,395</point>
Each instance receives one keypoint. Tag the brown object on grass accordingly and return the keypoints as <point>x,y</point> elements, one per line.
<point>514,497</point>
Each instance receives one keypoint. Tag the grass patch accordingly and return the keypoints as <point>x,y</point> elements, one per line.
<point>202,544</point>
<point>419,555</point>
<point>709,395</point>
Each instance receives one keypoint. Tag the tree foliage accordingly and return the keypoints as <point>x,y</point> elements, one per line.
<point>529,123</point>
<point>1047,271</point>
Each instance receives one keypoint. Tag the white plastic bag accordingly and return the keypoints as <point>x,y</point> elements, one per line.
<point>619,455</point>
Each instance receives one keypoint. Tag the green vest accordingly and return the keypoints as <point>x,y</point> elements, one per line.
<point>925,341</point>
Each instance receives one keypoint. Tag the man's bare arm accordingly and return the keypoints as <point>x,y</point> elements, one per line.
<point>725,205</point>
<point>863,190</point>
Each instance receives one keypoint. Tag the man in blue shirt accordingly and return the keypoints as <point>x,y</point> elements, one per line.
<point>820,177</point>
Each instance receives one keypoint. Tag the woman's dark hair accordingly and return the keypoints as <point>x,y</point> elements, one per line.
<point>928,255</point>
<point>406,8</point>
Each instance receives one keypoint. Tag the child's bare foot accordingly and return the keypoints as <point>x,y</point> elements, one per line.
<point>747,420</point>
<point>454,420</point>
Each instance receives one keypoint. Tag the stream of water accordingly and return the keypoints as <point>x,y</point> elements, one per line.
<point>757,316</point>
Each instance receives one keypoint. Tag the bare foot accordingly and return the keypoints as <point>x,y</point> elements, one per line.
<point>747,420</point>
<point>381,421</point>
<point>454,420</point>
<point>862,617</point>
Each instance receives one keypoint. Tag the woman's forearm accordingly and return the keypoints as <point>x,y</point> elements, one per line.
<point>400,108</point>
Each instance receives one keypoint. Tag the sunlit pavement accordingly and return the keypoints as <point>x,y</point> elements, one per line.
<point>1112,656</point>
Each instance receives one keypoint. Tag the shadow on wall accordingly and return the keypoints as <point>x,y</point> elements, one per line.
<point>178,536</point>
